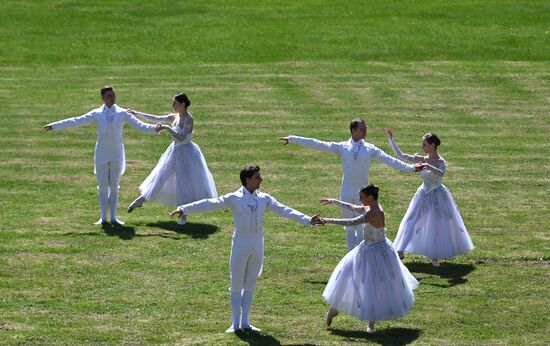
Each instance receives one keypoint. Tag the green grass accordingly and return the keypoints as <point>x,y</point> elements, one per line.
<point>475,72</point>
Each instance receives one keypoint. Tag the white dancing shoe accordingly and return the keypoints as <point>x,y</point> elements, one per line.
<point>331,313</point>
<point>182,220</point>
<point>435,262</point>
<point>137,203</point>
<point>370,328</point>
<point>100,222</point>
<point>230,330</point>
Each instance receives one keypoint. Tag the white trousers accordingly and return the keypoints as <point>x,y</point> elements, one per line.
<point>247,254</point>
<point>354,234</point>
<point>108,179</point>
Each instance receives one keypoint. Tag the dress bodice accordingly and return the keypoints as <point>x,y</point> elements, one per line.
<point>431,179</point>
<point>373,234</point>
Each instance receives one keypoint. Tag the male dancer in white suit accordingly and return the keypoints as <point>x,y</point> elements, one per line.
<point>356,155</point>
<point>247,205</point>
<point>109,156</point>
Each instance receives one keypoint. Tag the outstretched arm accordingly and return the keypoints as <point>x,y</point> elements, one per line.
<point>361,219</point>
<point>203,205</point>
<point>139,125</point>
<point>329,147</point>
<point>165,119</point>
<point>392,161</point>
<point>288,212</point>
<point>397,151</point>
<point>70,122</point>
<point>353,207</point>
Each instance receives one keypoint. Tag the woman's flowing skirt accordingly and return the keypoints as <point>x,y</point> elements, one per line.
<point>181,176</point>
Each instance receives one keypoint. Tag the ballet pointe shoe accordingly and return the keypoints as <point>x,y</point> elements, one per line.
<point>401,254</point>
<point>370,328</point>
<point>331,313</point>
<point>137,203</point>
<point>435,262</point>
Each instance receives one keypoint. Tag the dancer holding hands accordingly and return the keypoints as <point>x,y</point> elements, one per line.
<point>432,225</point>
<point>370,282</point>
<point>181,174</point>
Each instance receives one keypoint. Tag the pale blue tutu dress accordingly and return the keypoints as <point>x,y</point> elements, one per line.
<point>432,226</point>
<point>181,175</point>
<point>370,282</point>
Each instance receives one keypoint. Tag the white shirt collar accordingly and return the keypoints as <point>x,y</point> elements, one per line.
<point>113,107</point>
<point>249,194</point>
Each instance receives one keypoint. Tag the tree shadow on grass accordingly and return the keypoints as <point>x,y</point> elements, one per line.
<point>386,336</point>
<point>257,338</point>
<point>454,272</point>
<point>194,230</point>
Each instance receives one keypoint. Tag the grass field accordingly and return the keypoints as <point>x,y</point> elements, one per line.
<point>477,73</point>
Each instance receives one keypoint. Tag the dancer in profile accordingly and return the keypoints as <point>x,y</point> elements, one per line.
<point>248,206</point>
<point>181,175</point>
<point>432,225</point>
<point>356,156</point>
<point>109,155</point>
<point>370,282</point>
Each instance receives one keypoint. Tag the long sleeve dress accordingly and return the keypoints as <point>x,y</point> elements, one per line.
<point>181,175</point>
<point>432,225</point>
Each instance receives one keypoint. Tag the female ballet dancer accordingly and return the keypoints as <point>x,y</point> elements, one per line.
<point>181,175</point>
<point>370,282</point>
<point>432,225</point>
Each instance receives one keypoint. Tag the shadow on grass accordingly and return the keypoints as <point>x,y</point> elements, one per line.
<point>387,336</point>
<point>121,231</point>
<point>256,339</point>
<point>194,230</point>
<point>317,282</point>
<point>453,272</point>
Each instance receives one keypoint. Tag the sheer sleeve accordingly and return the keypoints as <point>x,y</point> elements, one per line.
<point>348,222</point>
<point>353,207</point>
<point>399,153</point>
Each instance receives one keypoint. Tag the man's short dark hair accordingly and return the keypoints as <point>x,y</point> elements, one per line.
<point>248,172</point>
<point>355,123</point>
<point>106,88</point>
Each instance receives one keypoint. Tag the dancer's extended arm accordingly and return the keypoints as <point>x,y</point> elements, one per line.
<point>288,212</point>
<point>166,119</point>
<point>361,219</point>
<point>398,152</point>
<point>353,207</point>
<point>312,143</point>
<point>70,122</point>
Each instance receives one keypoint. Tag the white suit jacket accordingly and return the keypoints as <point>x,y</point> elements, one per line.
<point>355,170</point>
<point>246,221</point>
<point>109,146</point>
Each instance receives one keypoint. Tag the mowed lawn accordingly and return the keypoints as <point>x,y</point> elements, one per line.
<point>477,73</point>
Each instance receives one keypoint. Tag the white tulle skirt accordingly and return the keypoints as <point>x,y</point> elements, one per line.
<point>181,176</point>
<point>371,283</point>
<point>433,227</point>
